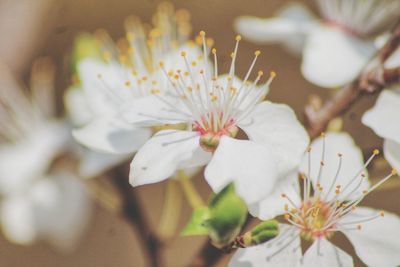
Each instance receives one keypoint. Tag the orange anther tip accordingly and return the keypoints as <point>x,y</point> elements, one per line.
<point>202,33</point>
<point>257,53</point>
<point>376,151</point>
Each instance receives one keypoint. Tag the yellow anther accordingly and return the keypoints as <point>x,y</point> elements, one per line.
<point>238,38</point>
<point>194,63</point>
<point>144,78</point>
<point>127,83</point>
<point>154,82</point>
<point>309,149</point>
<point>161,64</point>
<point>376,151</point>
<point>322,134</point>
<point>257,53</point>
<point>273,75</point>
<point>176,77</point>
<point>170,73</point>
<point>210,42</point>
<point>232,55</point>
<point>286,207</point>
<point>202,33</point>
<point>214,51</point>
<point>134,73</point>
<point>382,213</point>
<point>394,172</point>
<point>186,73</point>
<point>283,195</point>
<point>260,73</point>
<point>154,91</point>
<point>189,88</point>
<point>183,54</point>
<point>214,98</point>
<point>287,216</point>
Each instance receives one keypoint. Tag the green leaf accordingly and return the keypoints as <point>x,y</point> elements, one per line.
<point>198,223</point>
<point>228,213</point>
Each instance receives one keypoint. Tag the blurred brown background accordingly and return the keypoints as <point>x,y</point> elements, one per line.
<point>110,241</point>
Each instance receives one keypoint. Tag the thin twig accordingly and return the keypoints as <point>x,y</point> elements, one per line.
<point>372,79</point>
<point>136,217</point>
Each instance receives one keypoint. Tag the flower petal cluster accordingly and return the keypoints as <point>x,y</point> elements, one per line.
<point>334,183</point>
<point>214,108</point>
<point>36,204</point>
<point>335,47</point>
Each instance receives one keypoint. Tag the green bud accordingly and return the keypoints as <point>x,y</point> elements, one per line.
<point>262,233</point>
<point>228,213</point>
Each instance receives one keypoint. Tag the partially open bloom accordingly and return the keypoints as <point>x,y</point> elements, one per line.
<point>334,48</point>
<point>383,118</point>
<point>328,203</point>
<point>36,204</point>
<point>128,71</point>
<point>213,108</point>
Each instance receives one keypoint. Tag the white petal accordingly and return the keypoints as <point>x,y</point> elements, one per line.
<point>263,255</point>
<point>93,163</point>
<point>17,220</point>
<point>110,135</point>
<point>391,151</point>
<point>104,85</point>
<point>333,58</point>
<point>20,163</point>
<point>274,204</point>
<point>289,27</point>
<point>352,163</point>
<point>77,106</point>
<point>323,253</point>
<point>276,125</point>
<point>377,243</point>
<point>383,117</point>
<point>62,210</point>
<point>251,166</point>
<point>161,156</point>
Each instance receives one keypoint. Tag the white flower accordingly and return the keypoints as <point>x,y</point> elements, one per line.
<point>334,183</point>
<point>214,108</point>
<point>55,209</point>
<point>383,118</point>
<point>33,203</point>
<point>30,137</point>
<point>128,73</point>
<point>335,48</point>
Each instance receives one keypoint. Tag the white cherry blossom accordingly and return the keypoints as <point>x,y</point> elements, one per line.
<point>214,107</point>
<point>128,71</point>
<point>335,47</point>
<point>334,181</point>
<point>36,204</point>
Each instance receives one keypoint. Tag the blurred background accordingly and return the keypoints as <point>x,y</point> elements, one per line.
<point>32,29</point>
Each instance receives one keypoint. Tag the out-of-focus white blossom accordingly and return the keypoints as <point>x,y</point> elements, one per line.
<point>334,48</point>
<point>36,203</point>
<point>127,72</point>
<point>334,183</point>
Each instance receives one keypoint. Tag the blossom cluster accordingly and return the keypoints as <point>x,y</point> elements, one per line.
<point>160,99</point>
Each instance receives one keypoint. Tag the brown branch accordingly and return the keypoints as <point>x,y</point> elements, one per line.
<point>134,214</point>
<point>372,79</point>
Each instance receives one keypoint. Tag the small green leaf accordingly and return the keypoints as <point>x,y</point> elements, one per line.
<point>198,223</point>
<point>228,213</point>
